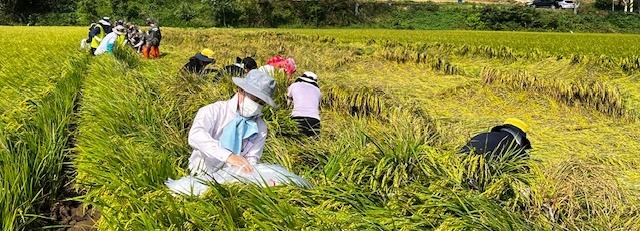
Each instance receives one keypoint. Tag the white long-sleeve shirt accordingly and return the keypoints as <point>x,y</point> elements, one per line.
<point>109,39</point>
<point>208,156</point>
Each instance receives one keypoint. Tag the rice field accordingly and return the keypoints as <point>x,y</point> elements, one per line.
<point>556,43</point>
<point>40,80</point>
<point>396,107</point>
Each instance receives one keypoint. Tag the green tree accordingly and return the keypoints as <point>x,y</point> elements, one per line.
<point>22,11</point>
<point>89,11</point>
<point>223,12</point>
<point>185,12</point>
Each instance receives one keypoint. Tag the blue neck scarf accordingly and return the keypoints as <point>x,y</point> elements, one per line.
<point>237,130</point>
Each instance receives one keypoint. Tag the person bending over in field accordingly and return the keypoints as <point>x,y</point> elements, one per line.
<point>232,132</point>
<point>198,62</point>
<point>98,32</point>
<point>505,148</point>
<point>305,95</point>
<point>511,137</point>
<point>153,38</point>
<point>109,42</point>
<point>239,68</point>
<point>84,43</point>
<point>288,66</point>
<point>136,38</point>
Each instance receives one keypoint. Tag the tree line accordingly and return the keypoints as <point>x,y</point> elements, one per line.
<point>219,13</point>
<point>595,17</point>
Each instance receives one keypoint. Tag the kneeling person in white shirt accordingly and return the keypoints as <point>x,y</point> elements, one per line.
<point>232,132</point>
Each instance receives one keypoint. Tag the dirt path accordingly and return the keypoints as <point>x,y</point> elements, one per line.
<point>74,216</point>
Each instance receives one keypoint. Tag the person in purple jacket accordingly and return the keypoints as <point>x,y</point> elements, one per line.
<point>305,95</point>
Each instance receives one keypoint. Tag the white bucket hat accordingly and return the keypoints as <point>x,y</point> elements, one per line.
<point>119,30</point>
<point>258,84</point>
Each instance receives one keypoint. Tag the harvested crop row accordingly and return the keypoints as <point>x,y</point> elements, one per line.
<point>602,97</point>
<point>556,44</point>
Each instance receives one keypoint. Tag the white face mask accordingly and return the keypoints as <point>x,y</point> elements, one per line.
<point>250,108</point>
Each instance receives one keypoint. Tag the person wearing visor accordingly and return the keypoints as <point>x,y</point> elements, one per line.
<point>511,137</point>
<point>232,132</point>
<point>305,95</point>
<point>198,62</point>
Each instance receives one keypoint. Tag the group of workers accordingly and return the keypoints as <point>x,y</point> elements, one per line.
<point>232,133</point>
<point>104,36</point>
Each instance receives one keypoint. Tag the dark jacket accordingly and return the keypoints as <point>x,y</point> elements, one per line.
<point>233,70</point>
<point>90,32</point>
<point>154,36</point>
<point>239,68</point>
<point>196,66</point>
<point>500,140</point>
<point>96,31</point>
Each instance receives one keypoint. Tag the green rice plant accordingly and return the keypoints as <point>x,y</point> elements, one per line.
<point>386,157</point>
<point>500,177</point>
<point>27,71</point>
<point>33,159</point>
<point>521,46</point>
<point>523,42</point>
<point>126,55</point>
<point>472,212</point>
<point>131,114</point>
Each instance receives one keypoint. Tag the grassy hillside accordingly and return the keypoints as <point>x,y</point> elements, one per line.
<point>396,107</point>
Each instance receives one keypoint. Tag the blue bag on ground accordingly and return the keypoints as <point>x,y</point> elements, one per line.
<point>264,175</point>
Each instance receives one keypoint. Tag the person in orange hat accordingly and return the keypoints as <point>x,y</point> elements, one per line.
<point>510,137</point>
<point>198,62</point>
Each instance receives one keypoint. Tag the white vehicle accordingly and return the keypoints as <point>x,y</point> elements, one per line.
<point>566,4</point>
<point>553,4</point>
